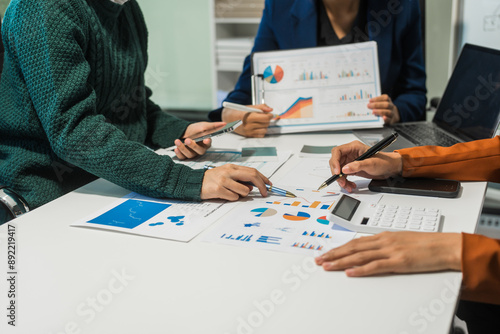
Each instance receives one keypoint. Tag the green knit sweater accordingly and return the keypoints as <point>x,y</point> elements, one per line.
<point>74,105</point>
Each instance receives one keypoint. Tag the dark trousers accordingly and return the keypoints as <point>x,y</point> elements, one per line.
<point>480,318</point>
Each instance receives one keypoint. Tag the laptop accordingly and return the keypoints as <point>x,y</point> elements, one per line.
<point>469,109</point>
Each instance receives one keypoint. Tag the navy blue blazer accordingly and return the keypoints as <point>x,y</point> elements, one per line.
<point>393,24</point>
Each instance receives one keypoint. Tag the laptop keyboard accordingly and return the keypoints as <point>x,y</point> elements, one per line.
<point>423,134</point>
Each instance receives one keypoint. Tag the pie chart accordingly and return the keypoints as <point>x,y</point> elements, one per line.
<point>298,216</point>
<point>264,212</point>
<point>273,76</point>
<point>323,220</point>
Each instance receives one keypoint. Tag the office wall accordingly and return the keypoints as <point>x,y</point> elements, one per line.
<point>3,6</point>
<point>438,28</point>
<point>180,56</point>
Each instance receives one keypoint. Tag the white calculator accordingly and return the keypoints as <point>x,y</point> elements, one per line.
<point>357,216</point>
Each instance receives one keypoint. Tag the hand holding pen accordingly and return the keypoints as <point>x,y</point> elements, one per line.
<point>256,119</point>
<point>269,187</point>
<point>240,107</point>
<point>345,155</point>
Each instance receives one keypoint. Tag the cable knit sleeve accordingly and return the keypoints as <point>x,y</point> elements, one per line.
<point>160,123</point>
<point>51,40</point>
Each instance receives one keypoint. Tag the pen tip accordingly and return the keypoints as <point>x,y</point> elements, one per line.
<point>321,186</point>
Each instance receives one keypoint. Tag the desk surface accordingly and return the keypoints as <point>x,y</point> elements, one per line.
<point>76,280</point>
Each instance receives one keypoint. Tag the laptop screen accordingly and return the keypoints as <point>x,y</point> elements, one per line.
<point>470,106</point>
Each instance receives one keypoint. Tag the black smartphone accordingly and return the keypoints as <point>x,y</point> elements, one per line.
<point>197,137</point>
<point>417,186</point>
<point>229,127</point>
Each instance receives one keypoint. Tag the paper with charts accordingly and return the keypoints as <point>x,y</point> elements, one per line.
<point>294,225</point>
<point>179,220</point>
<point>265,159</point>
<point>167,219</point>
<point>324,88</point>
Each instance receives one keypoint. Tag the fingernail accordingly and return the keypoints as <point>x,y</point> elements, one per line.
<point>350,272</point>
<point>188,141</point>
<point>329,265</point>
<point>346,169</point>
<point>336,171</point>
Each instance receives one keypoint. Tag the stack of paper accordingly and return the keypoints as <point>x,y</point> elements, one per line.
<point>231,52</point>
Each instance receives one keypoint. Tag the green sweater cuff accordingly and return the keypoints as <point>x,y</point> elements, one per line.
<point>189,184</point>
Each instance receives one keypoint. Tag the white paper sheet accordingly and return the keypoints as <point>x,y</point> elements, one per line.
<point>293,225</point>
<point>221,156</point>
<point>167,219</point>
<point>170,219</point>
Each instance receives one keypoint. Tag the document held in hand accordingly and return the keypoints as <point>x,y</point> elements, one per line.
<point>322,88</point>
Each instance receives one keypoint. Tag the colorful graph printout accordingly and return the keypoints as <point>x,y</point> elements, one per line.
<point>297,222</point>
<point>314,88</point>
<point>167,219</point>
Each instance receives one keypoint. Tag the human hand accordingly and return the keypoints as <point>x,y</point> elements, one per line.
<point>190,149</point>
<point>382,106</point>
<point>395,252</point>
<point>254,123</point>
<point>380,166</point>
<point>225,182</point>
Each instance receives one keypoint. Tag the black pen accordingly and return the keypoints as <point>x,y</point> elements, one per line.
<point>368,154</point>
<point>272,189</point>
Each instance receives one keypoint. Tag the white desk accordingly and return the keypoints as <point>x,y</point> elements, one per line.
<point>67,276</point>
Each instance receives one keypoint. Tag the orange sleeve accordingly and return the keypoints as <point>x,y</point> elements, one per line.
<point>477,160</point>
<point>481,269</point>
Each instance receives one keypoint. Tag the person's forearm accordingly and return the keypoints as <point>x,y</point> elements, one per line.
<point>473,161</point>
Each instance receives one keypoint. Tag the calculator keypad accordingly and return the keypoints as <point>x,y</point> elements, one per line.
<point>394,217</point>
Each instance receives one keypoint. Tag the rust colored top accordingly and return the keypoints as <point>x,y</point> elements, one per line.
<point>473,161</point>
